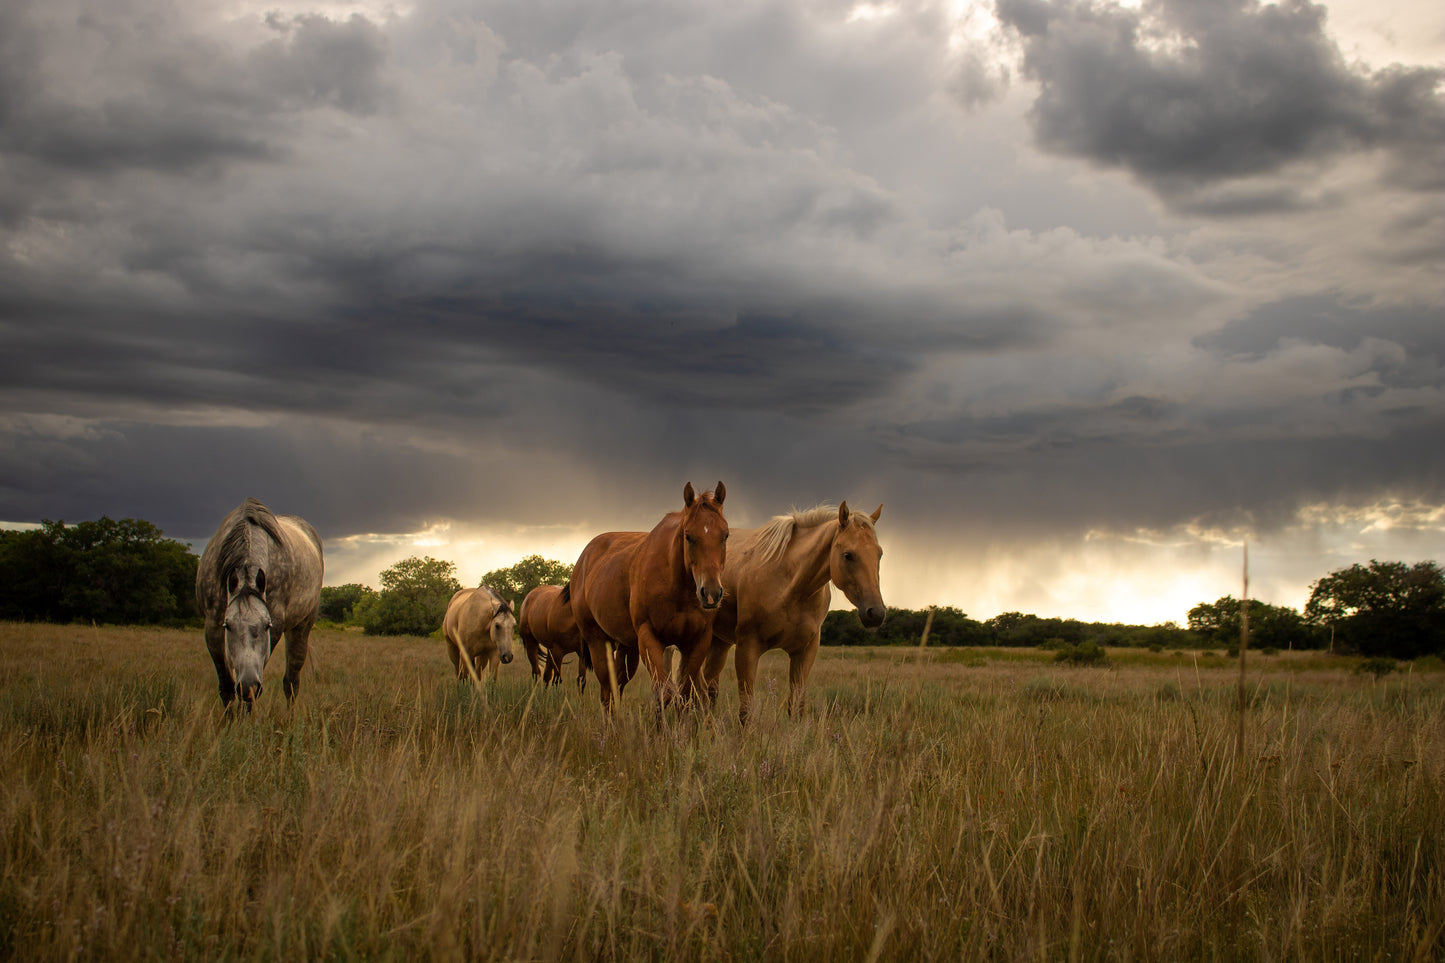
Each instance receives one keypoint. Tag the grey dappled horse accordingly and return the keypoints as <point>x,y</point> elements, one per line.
<point>259,578</point>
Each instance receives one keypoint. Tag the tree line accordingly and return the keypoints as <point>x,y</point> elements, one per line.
<point>127,572</point>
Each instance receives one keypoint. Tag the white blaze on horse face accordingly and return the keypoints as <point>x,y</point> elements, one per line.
<point>703,555</point>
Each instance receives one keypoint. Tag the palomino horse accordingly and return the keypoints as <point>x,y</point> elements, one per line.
<point>478,629</point>
<point>259,577</point>
<point>776,593</point>
<point>648,590</point>
<point>549,634</point>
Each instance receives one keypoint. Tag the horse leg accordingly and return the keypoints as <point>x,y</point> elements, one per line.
<point>693,659</point>
<point>717,660</point>
<point>581,673</point>
<point>627,666</point>
<point>216,645</point>
<point>494,663</point>
<point>800,664</point>
<point>745,662</point>
<point>650,649</point>
<point>298,639</point>
<point>603,665</point>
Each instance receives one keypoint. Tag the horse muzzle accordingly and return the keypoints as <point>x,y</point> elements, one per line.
<point>710,598</point>
<point>506,658</point>
<point>871,615</point>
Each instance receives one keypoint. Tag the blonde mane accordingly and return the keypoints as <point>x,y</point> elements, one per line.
<point>772,539</point>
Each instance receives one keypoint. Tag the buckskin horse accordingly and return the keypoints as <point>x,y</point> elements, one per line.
<point>645,591</point>
<point>259,577</point>
<point>776,595</point>
<point>478,630</point>
<point>549,634</point>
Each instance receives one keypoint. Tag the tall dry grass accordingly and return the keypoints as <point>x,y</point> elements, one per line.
<point>924,806</point>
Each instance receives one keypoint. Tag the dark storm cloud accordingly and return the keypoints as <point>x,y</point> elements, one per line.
<point>1184,93</point>
<point>170,99</point>
<point>510,263</point>
<point>1418,331</point>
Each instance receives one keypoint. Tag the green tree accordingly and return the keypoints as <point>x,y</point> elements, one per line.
<point>122,572</point>
<point>1383,609</point>
<point>339,602</point>
<point>1270,626</point>
<point>413,598</point>
<point>514,582</point>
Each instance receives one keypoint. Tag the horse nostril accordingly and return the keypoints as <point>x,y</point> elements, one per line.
<point>506,659</point>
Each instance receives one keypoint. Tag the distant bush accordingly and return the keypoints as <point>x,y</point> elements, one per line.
<point>1377,666</point>
<point>1085,653</point>
<point>1429,663</point>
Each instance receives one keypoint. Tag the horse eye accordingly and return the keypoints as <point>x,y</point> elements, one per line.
<point>725,535</point>
<point>847,556</point>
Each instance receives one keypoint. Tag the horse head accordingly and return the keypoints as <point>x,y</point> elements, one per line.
<point>248,632</point>
<point>704,542</point>
<point>853,563</point>
<point>504,625</point>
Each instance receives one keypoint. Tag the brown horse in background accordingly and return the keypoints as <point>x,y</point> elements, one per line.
<point>549,634</point>
<point>777,595</point>
<point>645,591</point>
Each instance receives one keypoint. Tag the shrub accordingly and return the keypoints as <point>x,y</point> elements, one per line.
<point>1377,666</point>
<point>1085,653</point>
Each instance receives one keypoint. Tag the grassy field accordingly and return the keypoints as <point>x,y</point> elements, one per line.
<point>974,804</point>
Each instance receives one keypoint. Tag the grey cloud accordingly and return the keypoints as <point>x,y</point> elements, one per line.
<point>1418,330</point>
<point>172,99</point>
<point>1185,93</point>
<point>463,261</point>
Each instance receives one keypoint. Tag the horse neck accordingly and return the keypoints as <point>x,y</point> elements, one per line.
<point>663,549</point>
<point>807,557</point>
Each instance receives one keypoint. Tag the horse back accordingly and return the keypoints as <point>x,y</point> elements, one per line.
<point>601,582</point>
<point>547,618</point>
<point>469,615</point>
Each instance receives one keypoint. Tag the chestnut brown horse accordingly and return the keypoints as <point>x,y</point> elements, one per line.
<point>776,593</point>
<point>549,634</point>
<point>645,591</point>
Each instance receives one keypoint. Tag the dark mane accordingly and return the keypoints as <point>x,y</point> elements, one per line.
<point>236,544</point>
<point>500,604</point>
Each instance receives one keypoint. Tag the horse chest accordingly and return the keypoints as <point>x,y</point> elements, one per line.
<point>673,626</point>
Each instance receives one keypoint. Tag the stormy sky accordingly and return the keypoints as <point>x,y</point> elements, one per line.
<point>1085,294</point>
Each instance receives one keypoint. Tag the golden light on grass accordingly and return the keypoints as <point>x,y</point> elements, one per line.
<point>928,804</point>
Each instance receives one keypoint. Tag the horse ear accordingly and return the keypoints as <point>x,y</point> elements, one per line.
<point>261,582</point>
<point>719,493</point>
<point>843,515</point>
<point>876,512</point>
<point>688,495</point>
<point>233,582</point>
